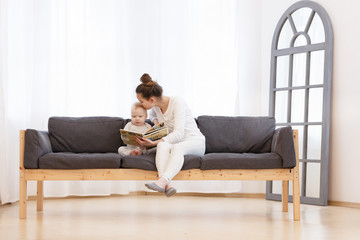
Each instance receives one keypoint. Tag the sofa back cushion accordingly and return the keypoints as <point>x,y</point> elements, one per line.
<point>85,134</point>
<point>237,134</point>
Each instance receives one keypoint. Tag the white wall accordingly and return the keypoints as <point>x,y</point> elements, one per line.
<point>344,162</point>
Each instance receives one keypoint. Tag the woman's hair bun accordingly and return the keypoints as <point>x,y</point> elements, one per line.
<point>149,88</point>
<point>147,80</point>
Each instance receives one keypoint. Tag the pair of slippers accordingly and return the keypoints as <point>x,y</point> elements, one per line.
<point>168,192</point>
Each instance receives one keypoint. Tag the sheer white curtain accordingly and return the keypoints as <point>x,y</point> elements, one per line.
<point>85,57</point>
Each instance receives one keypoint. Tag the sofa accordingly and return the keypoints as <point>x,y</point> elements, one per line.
<point>85,148</point>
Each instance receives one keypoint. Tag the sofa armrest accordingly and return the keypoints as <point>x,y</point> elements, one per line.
<point>283,144</point>
<point>37,144</point>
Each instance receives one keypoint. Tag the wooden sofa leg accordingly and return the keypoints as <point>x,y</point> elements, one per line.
<point>285,195</point>
<point>40,195</point>
<point>22,196</point>
<point>295,180</point>
<point>296,197</point>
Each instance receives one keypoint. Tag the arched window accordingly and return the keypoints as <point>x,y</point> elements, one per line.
<point>300,93</point>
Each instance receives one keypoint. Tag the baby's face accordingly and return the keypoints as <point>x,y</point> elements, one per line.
<point>138,116</point>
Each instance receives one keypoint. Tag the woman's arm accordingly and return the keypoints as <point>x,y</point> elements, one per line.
<point>177,135</point>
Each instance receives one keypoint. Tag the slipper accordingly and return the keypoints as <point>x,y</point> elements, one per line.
<point>154,187</point>
<point>170,191</point>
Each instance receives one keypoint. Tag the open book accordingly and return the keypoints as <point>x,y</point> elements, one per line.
<point>155,133</point>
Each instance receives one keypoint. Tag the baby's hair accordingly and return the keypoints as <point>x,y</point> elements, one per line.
<point>149,88</point>
<point>137,105</point>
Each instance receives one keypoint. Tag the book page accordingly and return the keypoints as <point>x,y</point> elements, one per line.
<point>129,137</point>
<point>156,135</point>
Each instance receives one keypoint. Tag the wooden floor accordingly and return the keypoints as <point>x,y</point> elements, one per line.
<point>179,217</point>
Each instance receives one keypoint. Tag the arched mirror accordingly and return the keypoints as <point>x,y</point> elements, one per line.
<point>300,91</point>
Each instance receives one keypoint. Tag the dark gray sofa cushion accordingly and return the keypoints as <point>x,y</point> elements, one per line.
<point>283,144</point>
<point>79,160</point>
<point>241,161</point>
<point>86,134</point>
<point>147,162</point>
<point>237,134</point>
<point>37,143</point>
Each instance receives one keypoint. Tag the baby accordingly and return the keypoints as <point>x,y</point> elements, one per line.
<point>137,124</point>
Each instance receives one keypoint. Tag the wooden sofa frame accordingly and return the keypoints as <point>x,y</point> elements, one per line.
<point>41,175</point>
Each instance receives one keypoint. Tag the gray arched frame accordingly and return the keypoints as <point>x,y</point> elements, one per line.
<point>325,47</point>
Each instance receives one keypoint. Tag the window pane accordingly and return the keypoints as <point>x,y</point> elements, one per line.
<point>300,41</point>
<point>282,71</point>
<point>315,104</point>
<point>285,36</point>
<point>317,67</point>
<point>281,100</point>
<point>316,30</point>
<point>313,180</point>
<point>301,17</point>
<point>314,142</point>
<point>298,105</point>
<point>299,69</point>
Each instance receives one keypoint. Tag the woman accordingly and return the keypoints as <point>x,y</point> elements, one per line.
<point>184,136</point>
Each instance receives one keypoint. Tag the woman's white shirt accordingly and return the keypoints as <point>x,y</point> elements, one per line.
<point>179,120</point>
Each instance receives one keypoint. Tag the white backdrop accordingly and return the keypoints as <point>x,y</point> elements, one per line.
<point>85,58</point>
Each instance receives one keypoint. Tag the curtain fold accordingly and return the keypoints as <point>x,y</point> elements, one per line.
<point>85,58</point>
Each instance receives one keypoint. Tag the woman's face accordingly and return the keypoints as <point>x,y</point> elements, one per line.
<point>146,103</point>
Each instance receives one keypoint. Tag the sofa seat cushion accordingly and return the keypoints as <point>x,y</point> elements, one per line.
<point>79,160</point>
<point>147,162</point>
<point>241,161</point>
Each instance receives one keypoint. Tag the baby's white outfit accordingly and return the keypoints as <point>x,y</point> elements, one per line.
<point>126,150</point>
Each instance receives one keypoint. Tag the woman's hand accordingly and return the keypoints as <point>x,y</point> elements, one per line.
<point>147,142</point>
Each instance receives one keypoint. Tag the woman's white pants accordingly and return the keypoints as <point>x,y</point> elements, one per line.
<point>170,157</point>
